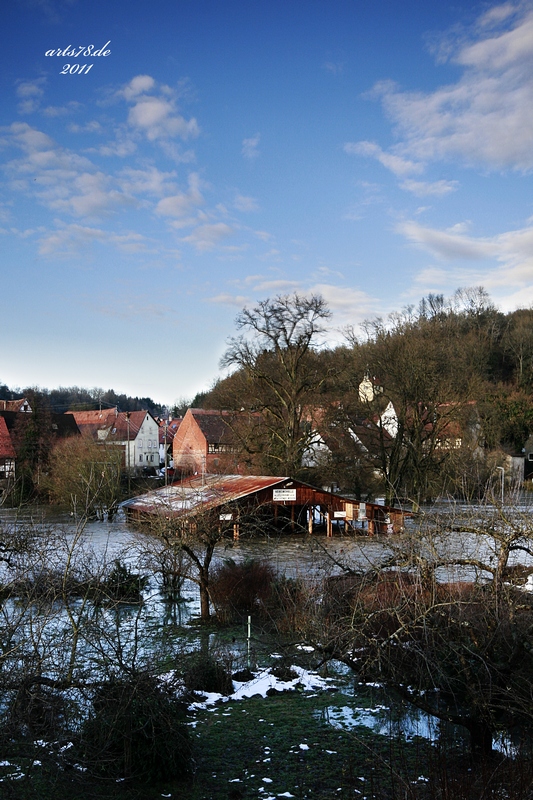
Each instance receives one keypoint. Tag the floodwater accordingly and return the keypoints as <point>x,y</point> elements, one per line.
<point>291,555</point>
<point>301,555</point>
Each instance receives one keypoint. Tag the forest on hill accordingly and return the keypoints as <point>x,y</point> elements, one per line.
<point>430,400</point>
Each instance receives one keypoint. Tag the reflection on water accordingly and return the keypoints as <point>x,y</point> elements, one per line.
<point>137,632</point>
<point>384,720</point>
<point>291,555</point>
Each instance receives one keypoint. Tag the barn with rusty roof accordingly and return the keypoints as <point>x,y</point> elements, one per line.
<point>280,502</point>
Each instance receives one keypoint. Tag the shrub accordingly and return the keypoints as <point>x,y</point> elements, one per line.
<point>239,589</point>
<point>137,730</point>
<point>35,710</point>
<point>124,586</point>
<point>204,673</point>
<point>290,605</point>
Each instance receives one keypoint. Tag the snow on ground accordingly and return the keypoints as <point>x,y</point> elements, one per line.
<point>261,683</point>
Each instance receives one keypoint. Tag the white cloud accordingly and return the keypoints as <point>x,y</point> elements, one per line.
<point>95,195</point>
<point>179,205</point>
<point>486,117</point>
<point>423,189</point>
<point>62,180</point>
<point>150,181</point>
<point>396,164</point>
<point>154,111</point>
<point>349,305</point>
<point>250,146</point>
<point>156,117</point>
<point>264,236</point>
<point>449,245</point>
<point>207,237</point>
<point>61,111</point>
<point>271,255</point>
<point>90,127</point>
<point>75,239</point>
<point>138,85</point>
<point>30,93</point>
<point>506,259</point>
<point>243,203</point>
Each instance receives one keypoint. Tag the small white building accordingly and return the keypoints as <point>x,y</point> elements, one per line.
<point>137,432</point>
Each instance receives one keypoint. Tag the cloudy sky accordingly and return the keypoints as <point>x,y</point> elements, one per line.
<point>225,151</point>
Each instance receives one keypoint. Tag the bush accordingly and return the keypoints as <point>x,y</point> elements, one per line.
<point>137,730</point>
<point>124,586</point>
<point>239,589</point>
<point>290,605</point>
<point>36,710</point>
<point>204,673</point>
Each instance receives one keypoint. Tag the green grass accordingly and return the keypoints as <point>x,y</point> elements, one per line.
<point>257,747</point>
<point>283,746</point>
<point>284,743</point>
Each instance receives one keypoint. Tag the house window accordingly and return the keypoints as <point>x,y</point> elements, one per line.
<point>149,442</point>
<point>140,442</point>
<point>530,456</point>
<point>219,448</point>
<point>141,457</point>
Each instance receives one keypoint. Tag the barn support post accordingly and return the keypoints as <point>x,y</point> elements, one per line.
<point>236,531</point>
<point>310,521</point>
<point>329,527</point>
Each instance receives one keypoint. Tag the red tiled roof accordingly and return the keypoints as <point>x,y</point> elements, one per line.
<point>171,430</point>
<point>116,423</point>
<point>6,445</point>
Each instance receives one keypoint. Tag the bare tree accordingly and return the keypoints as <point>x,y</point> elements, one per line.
<point>442,621</point>
<point>277,354</point>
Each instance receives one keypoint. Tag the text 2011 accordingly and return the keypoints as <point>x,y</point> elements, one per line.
<point>73,69</point>
<point>88,51</point>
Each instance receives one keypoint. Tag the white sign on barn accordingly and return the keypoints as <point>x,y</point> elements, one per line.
<point>283,494</point>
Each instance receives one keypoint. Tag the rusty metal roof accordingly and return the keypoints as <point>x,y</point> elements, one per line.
<point>205,492</point>
<point>201,492</point>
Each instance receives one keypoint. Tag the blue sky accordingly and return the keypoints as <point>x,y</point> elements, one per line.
<point>227,151</point>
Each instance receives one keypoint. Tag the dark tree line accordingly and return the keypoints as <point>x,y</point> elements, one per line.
<point>76,398</point>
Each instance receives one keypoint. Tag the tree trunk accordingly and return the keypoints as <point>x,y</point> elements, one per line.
<point>204,598</point>
<point>480,739</point>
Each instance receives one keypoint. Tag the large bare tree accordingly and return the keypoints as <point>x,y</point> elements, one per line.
<point>276,353</point>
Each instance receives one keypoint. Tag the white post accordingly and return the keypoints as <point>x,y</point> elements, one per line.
<point>502,481</point>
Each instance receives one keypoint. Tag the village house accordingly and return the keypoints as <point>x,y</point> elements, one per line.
<point>22,405</point>
<point>167,432</point>
<point>205,442</point>
<point>7,455</point>
<point>15,425</point>
<point>136,432</point>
